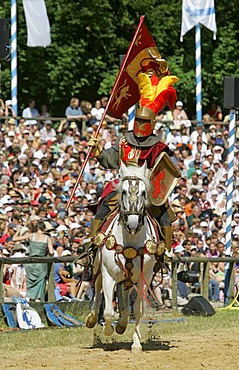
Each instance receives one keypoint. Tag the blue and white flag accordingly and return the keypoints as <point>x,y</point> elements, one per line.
<point>38,26</point>
<point>198,11</point>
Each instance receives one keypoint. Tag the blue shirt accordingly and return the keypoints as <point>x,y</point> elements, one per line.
<point>57,277</point>
<point>73,111</point>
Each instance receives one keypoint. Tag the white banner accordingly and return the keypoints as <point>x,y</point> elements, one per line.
<point>198,11</point>
<point>38,26</point>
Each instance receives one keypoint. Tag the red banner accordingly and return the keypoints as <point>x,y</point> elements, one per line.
<point>141,56</point>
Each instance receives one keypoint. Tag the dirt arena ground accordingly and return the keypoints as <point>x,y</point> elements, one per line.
<point>206,350</point>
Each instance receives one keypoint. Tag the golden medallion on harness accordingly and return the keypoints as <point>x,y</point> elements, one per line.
<point>128,284</point>
<point>99,239</point>
<point>141,251</point>
<point>110,242</point>
<point>130,253</point>
<point>151,246</point>
<point>129,265</point>
<point>160,248</point>
<point>119,249</point>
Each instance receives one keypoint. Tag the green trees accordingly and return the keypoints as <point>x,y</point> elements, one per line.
<point>88,37</point>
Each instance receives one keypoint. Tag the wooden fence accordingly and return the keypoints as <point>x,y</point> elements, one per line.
<point>204,275</point>
<point>26,260</point>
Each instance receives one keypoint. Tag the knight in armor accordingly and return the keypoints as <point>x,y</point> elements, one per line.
<point>136,147</point>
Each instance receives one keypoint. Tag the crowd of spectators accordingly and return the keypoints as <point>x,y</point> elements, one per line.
<point>40,160</point>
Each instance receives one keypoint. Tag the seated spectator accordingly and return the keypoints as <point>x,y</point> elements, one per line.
<point>212,250</point>
<point>199,132</point>
<point>173,139</point>
<point>97,112</point>
<point>158,286</point>
<point>189,206</point>
<point>63,277</point>
<point>215,112</point>
<point>216,283</point>
<point>180,117</point>
<point>196,212</point>
<point>211,135</point>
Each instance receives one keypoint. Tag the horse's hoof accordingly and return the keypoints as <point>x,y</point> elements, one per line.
<point>90,321</point>
<point>120,329</point>
<point>136,349</point>
<point>108,330</point>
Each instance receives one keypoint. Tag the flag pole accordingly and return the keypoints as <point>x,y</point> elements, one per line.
<point>198,73</point>
<point>105,111</point>
<point>230,177</point>
<point>14,55</point>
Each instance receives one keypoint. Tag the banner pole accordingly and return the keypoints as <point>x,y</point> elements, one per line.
<point>198,73</point>
<point>103,116</point>
<point>14,55</point>
<point>230,178</point>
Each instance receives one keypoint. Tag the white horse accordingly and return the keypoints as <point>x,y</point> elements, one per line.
<point>128,243</point>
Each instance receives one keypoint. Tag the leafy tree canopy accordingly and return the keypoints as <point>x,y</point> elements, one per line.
<point>89,36</point>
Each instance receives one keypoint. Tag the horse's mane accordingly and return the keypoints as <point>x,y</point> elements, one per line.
<point>132,171</point>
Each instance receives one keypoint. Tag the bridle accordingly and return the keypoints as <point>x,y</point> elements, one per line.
<point>133,202</point>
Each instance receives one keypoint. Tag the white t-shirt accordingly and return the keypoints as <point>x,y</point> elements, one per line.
<point>97,113</point>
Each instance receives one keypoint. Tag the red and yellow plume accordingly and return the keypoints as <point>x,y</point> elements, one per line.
<point>155,93</point>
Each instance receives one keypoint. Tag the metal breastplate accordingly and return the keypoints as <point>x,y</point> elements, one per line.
<point>128,154</point>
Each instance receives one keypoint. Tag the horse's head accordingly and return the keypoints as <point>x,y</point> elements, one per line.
<point>133,189</point>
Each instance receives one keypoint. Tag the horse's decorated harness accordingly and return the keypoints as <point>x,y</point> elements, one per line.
<point>154,246</point>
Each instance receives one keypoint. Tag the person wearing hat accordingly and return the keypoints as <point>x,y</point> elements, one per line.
<point>205,230</point>
<point>198,133</point>
<point>218,150</point>
<point>179,211</point>
<point>180,117</point>
<point>173,137</point>
<point>178,112</point>
<point>9,111</point>
<point>47,132</point>
<point>140,140</point>
<point>28,145</point>
<point>21,161</point>
<point>211,135</point>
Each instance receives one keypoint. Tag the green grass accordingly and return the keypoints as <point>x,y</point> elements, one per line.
<point>83,337</point>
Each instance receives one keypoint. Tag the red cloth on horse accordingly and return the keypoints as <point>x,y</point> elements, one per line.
<point>108,189</point>
<point>148,154</point>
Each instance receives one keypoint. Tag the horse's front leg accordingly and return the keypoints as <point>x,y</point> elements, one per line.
<point>138,311</point>
<point>108,291</point>
<point>125,311</point>
<point>92,318</point>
